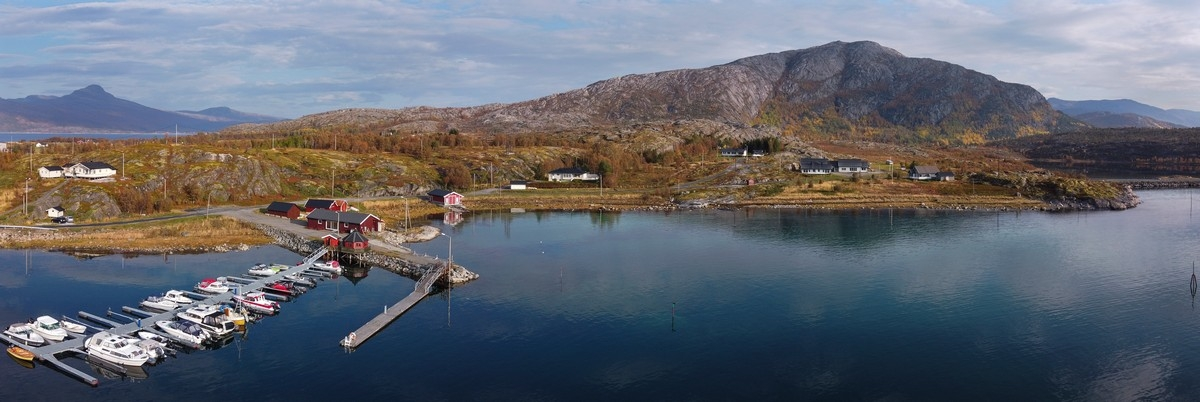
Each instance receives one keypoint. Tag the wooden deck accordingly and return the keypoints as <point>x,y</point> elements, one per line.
<point>420,290</point>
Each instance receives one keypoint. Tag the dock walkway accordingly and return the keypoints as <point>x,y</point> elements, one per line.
<point>48,354</point>
<point>420,290</point>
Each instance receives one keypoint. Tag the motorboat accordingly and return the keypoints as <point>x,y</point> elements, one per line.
<point>20,353</point>
<point>301,280</point>
<point>49,328</point>
<point>117,349</point>
<point>257,302</point>
<point>238,315</point>
<point>23,333</point>
<point>115,371</point>
<point>328,266</point>
<point>262,270</point>
<point>285,288</point>
<point>155,349</point>
<point>213,286</point>
<point>186,331</point>
<point>178,297</point>
<point>72,327</point>
<point>210,318</point>
<point>160,303</point>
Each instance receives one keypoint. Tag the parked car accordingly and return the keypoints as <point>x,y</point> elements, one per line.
<point>70,219</point>
<point>59,219</point>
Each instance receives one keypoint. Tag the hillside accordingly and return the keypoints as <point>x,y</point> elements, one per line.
<point>835,90</point>
<point>94,110</point>
<point>1150,116</point>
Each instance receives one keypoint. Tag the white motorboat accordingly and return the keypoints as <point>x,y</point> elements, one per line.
<point>117,349</point>
<point>178,297</point>
<point>328,266</point>
<point>257,302</point>
<point>213,286</point>
<point>210,318</point>
<point>160,303</point>
<point>72,327</point>
<point>187,331</point>
<point>49,328</point>
<point>155,349</point>
<point>23,333</point>
<point>262,270</point>
<point>301,280</point>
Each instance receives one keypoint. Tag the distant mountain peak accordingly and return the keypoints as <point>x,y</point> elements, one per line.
<point>92,91</point>
<point>92,109</point>
<point>1121,113</point>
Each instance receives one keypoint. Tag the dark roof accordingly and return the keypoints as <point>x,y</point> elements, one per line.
<point>815,163</point>
<point>318,203</point>
<point>52,168</point>
<point>354,236</point>
<point>96,165</point>
<point>851,163</point>
<point>349,217</point>
<point>58,207</point>
<point>945,174</point>
<point>440,192</point>
<point>925,170</point>
<point>569,170</point>
<point>518,182</point>
<point>733,150</point>
<point>280,206</point>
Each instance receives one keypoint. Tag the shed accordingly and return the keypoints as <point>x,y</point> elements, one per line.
<point>284,209</point>
<point>55,211</point>
<point>445,197</point>
<point>330,241</point>
<point>518,185</point>
<point>332,205</point>
<point>354,242</point>
<point>50,171</point>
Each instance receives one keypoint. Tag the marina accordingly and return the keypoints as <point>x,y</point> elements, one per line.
<point>141,320</point>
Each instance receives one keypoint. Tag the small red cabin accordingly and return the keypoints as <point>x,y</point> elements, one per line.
<point>354,242</point>
<point>332,205</point>
<point>343,222</point>
<point>445,197</point>
<point>330,241</point>
<point>284,209</point>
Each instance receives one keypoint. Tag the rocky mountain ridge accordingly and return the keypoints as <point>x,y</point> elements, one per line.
<point>832,87</point>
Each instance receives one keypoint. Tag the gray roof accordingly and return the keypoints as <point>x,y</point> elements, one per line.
<point>96,165</point>
<point>348,217</point>
<point>852,163</point>
<point>280,206</point>
<point>925,169</point>
<point>815,163</point>
<point>354,236</point>
<point>52,168</point>
<point>440,192</point>
<point>318,203</point>
<point>568,170</point>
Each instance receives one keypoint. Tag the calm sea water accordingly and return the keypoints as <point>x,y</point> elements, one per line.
<point>704,305</point>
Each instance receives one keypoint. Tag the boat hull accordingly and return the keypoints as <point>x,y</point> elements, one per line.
<point>19,353</point>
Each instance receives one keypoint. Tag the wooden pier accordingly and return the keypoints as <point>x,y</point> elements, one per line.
<point>420,290</point>
<point>49,354</point>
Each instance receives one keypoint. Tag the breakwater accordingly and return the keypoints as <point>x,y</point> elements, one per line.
<point>413,266</point>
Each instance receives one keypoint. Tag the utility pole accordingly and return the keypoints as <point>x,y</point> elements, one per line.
<point>26,196</point>
<point>331,181</point>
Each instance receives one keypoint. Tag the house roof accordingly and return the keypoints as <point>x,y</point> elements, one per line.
<point>851,163</point>
<point>353,237</point>
<point>58,208</point>
<point>93,165</point>
<point>52,168</point>
<point>518,182</point>
<point>815,163</point>
<point>925,169</point>
<point>348,217</point>
<point>280,206</point>
<point>568,170</point>
<point>732,150</point>
<point>440,192</point>
<point>318,203</point>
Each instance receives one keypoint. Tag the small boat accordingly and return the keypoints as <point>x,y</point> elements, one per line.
<point>262,270</point>
<point>213,286</point>
<point>72,327</point>
<point>160,303</point>
<point>258,303</point>
<point>328,266</point>
<point>19,353</point>
<point>301,280</point>
<point>115,371</point>
<point>283,288</point>
<point>210,318</point>
<point>23,333</point>
<point>117,349</point>
<point>178,297</point>
<point>155,349</point>
<point>49,328</point>
<point>186,331</point>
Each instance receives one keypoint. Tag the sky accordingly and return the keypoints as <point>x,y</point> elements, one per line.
<point>297,57</point>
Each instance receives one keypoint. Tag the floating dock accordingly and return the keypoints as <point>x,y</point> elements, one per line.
<point>48,354</point>
<point>421,289</point>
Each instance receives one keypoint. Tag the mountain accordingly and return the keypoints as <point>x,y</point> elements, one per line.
<point>92,109</point>
<point>831,89</point>
<point>1118,120</point>
<point>1176,117</point>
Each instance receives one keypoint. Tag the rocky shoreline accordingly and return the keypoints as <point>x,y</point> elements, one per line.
<point>397,264</point>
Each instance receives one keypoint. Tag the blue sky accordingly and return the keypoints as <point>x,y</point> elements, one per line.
<point>291,58</point>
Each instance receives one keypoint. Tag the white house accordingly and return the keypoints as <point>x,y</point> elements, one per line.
<point>734,152</point>
<point>815,166</point>
<point>55,211</point>
<point>923,173</point>
<point>50,171</point>
<point>89,170</point>
<point>518,185</point>
<point>571,173</point>
<point>852,166</point>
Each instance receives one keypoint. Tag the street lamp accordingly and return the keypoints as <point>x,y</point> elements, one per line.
<point>405,212</point>
<point>207,205</point>
<point>26,196</point>
<point>451,252</point>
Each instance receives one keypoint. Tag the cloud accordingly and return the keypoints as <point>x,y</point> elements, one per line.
<point>192,54</point>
